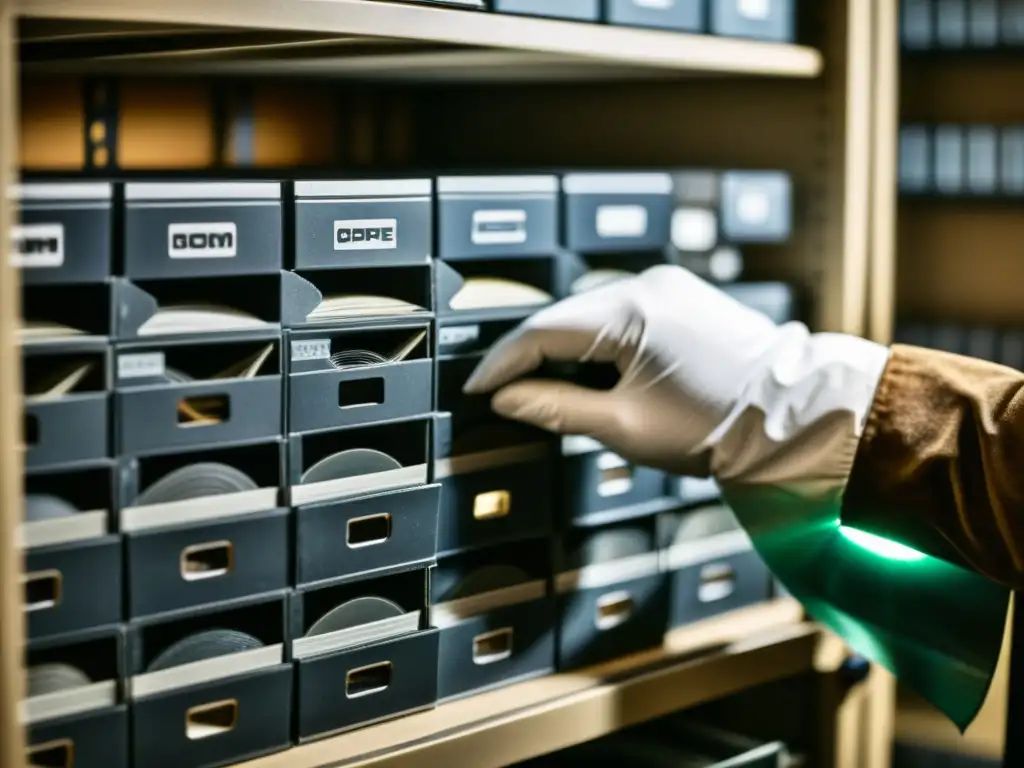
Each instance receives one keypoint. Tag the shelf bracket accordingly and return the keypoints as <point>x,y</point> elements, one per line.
<point>100,101</point>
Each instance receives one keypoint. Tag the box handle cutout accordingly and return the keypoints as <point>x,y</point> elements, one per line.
<point>368,531</point>
<point>492,505</point>
<point>207,720</point>
<point>613,609</point>
<point>207,561</point>
<point>492,647</point>
<point>368,680</point>
<point>52,754</point>
<point>43,590</point>
<point>203,410</point>
<point>361,393</point>
<point>30,430</point>
<point>621,221</point>
<point>616,476</point>
<point>717,582</point>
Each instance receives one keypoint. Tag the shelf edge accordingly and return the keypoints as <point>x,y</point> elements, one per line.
<point>375,18</point>
<point>742,649</point>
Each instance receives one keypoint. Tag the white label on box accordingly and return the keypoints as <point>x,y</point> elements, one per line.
<point>458,334</point>
<point>621,221</point>
<point>694,229</point>
<point>37,246</point>
<point>753,207</point>
<point>366,235</point>
<point>205,240</point>
<point>140,366</point>
<point>498,227</point>
<point>657,5</point>
<point>311,349</point>
<point>755,10</point>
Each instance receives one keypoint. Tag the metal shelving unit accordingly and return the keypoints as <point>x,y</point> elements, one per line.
<point>490,730</point>
<point>339,37</point>
<point>647,98</point>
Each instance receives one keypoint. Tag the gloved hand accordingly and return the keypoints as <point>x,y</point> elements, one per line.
<point>701,375</point>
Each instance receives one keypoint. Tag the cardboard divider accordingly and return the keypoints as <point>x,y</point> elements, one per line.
<point>313,298</point>
<point>487,300</point>
<point>240,303</point>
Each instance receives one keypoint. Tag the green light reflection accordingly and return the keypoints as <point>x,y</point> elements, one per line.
<point>880,546</point>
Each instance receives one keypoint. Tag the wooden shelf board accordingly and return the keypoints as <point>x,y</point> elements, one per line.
<point>960,262</point>
<point>447,66</point>
<point>701,663</point>
<point>961,90</point>
<point>537,47</point>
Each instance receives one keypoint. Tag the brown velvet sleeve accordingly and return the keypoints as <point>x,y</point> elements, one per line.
<point>940,466</point>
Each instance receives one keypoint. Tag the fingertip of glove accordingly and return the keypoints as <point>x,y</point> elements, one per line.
<point>507,402</point>
<point>480,381</point>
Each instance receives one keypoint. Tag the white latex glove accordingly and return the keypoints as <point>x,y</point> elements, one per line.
<point>701,376</point>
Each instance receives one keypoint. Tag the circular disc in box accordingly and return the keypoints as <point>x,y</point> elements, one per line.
<point>51,678</point>
<point>706,521</point>
<point>356,358</point>
<point>606,546</point>
<point>43,506</point>
<point>351,463</point>
<point>355,613</point>
<point>196,481</point>
<point>202,646</point>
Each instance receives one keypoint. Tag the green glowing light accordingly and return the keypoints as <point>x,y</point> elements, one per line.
<point>877,545</point>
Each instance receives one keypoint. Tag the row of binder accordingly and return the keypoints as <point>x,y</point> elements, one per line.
<point>951,160</point>
<point>961,25</point>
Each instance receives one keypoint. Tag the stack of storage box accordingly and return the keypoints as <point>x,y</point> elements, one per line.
<point>773,20</point>
<point>198,431</point>
<point>498,263</point>
<point>359,409</point>
<point>260,508</point>
<point>629,561</point>
<point>73,565</point>
<point>711,563</point>
<point>613,598</point>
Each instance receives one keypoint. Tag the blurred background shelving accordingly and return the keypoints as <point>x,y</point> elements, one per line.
<point>948,239</point>
<point>285,89</point>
